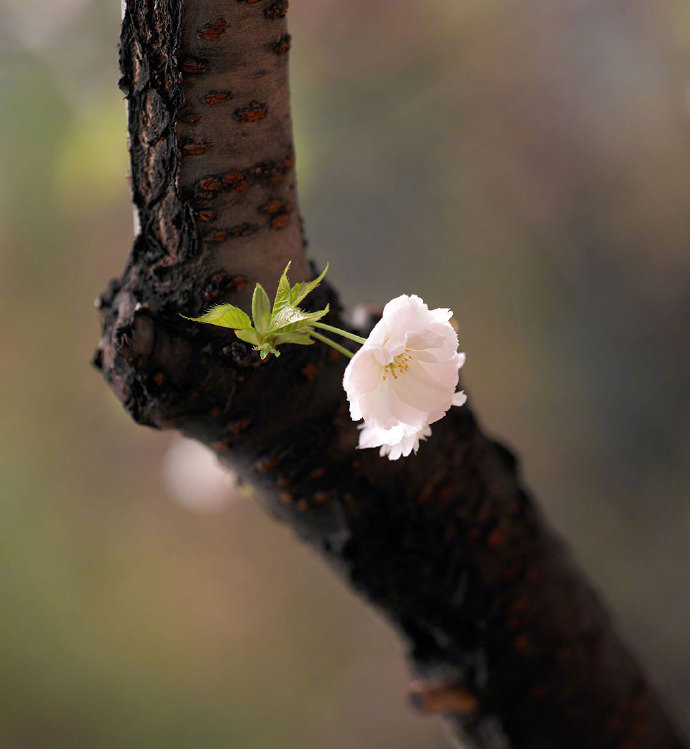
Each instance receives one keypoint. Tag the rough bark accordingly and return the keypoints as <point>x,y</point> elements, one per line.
<point>511,641</point>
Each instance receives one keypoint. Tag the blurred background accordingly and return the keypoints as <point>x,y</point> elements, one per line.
<point>528,165</point>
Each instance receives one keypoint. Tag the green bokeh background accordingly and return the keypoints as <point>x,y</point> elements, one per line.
<point>528,165</point>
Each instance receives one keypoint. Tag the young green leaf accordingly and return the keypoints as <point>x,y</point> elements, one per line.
<point>266,349</point>
<point>225,316</point>
<point>261,310</point>
<point>248,336</point>
<point>301,338</point>
<point>300,290</point>
<point>286,316</point>
<point>291,320</point>
<point>283,293</point>
<point>285,323</point>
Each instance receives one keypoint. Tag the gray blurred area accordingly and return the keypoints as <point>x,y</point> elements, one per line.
<point>528,165</point>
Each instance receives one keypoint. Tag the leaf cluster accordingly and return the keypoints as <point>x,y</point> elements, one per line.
<point>270,325</point>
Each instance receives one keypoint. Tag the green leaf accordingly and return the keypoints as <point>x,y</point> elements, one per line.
<point>225,316</point>
<point>300,290</point>
<point>283,293</point>
<point>266,349</point>
<point>292,319</point>
<point>248,336</point>
<point>301,339</point>
<point>261,310</point>
<point>286,323</point>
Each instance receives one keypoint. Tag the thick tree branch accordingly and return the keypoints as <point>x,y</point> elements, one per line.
<point>515,646</point>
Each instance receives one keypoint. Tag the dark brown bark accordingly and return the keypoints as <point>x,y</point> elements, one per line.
<point>512,643</point>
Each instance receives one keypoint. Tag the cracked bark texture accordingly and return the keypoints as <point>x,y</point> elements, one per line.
<point>509,639</point>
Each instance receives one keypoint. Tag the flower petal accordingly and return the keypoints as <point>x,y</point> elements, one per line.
<point>441,315</point>
<point>404,412</point>
<point>444,374</point>
<point>363,372</point>
<point>422,340</point>
<point>459,398</point>
<point>421,391</point>
<point>399,402</point>
<point>394,443</point>
<point>376,410</point>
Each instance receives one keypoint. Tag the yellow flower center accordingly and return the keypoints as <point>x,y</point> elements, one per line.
<point>398,366</point>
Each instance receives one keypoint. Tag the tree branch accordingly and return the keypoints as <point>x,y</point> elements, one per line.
<point>517,649</point>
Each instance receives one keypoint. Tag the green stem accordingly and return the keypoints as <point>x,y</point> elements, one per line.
<point>338,331</point>
<point>332,344</point>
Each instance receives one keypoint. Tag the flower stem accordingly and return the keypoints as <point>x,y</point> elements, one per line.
<point>332,344</point>
<point>338,331</point>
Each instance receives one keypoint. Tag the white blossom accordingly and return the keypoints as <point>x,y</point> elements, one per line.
<point>404,377</point>
<point>396,442</point>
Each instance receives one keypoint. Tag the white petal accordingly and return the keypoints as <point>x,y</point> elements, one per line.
<point>371,436</point>
<point>440,314</point>
<point>459,398</point>
<point>397,411</point>
<point>415,439</point>
<point>428,356</point>
<point>422,340</point>
<point>436,416</point>
<point>421,391</point>
<point>395,443</point>
<point>394,346</point>
<point>422,435</point>
<point>444,374</point>
<point>450,340</point>
<point>362,373</point>
<point>403,305</point>
<point>407,313</point>
<point>376,408</point>
<point>404,412</point>
<point>379,333</point>
<point>393,453</point>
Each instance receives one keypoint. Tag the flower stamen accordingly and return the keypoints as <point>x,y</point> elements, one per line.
<point>399,365</point>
